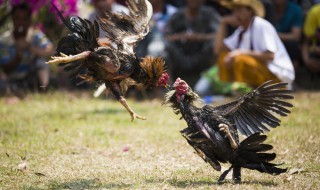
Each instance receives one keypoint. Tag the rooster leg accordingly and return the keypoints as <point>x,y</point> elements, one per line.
<point>223,176</point>
<point>123,101</point>
<point>225,129</point>
<point>116,91</point>
<point>67,59</point>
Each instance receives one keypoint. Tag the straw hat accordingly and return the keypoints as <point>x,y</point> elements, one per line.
<point>255,5</point>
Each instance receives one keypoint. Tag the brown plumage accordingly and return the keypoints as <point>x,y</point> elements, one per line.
<point>115,66</point>
<point>153,67</point>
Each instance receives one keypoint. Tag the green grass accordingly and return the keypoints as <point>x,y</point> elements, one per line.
<point>77,142</point>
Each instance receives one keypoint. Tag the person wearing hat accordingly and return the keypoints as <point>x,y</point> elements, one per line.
<point>254,53</point>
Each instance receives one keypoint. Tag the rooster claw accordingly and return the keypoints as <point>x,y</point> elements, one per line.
<point>136,116</point>
<point>225,128</point>
<point>63,58</point>
<point>59,59</point>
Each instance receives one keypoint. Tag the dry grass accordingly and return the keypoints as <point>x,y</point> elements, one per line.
<point>79,142</point>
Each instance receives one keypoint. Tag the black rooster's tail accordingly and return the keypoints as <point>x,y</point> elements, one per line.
<point>251,155</point>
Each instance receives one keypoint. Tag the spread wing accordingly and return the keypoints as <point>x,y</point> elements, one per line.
<point>257,111</point>
<point>125,30</point>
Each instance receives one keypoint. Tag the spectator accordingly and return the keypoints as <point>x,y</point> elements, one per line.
<point>24,50</point>
<point>288,23</point>
<point>311,43</point>
<point>190,34</point>
<point>101,6</point>
<point>162,13</point>
<point>209,83</point>
<point>269,10</point>
<point>153,44</point>
<point>306,4</point>
<point>254,53</point>
<point>218,5</point>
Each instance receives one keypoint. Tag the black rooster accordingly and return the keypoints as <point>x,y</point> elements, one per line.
<point>212,131</point>
<point>116,65</point>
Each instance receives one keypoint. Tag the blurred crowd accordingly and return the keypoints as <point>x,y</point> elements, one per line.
<point>217,46</point>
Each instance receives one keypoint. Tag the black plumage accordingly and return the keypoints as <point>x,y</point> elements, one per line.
<point>212,131</point>
<point>115,65</point>
<point>257,110</point>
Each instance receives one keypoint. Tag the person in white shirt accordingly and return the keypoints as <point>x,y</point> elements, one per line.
<point>254,53</point>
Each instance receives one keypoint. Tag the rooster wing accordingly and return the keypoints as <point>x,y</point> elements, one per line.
<point>257,111</point>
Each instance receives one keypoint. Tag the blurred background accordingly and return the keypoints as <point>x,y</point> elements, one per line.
<point>55,135</point>
<point>183,33</point>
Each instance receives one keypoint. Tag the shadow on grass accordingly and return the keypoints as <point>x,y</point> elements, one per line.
<point>107,111</point>
<point>195,183</point>
<point>96,184</point>
<point>82,184</point>
<point>117,110</point>
<point>190,183</point>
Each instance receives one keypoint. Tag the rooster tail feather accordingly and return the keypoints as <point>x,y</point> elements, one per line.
<point>266,167</point>
<point>64,20</point>
<point>252,155</point>
<point>100,90</point>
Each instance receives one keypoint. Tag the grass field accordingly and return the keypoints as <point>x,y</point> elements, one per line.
<point>73,141</point>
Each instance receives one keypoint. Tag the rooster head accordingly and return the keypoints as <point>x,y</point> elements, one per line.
<point>181,88</point>
<point>163,80</point>
<point>180,92</point>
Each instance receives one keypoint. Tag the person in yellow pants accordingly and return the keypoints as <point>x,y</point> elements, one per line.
<point>254,53</point>
<point>245,69</point>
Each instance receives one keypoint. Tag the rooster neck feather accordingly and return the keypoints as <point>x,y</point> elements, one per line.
<point>149,70</point>
<point>153,67</point>
<point>171,100</point>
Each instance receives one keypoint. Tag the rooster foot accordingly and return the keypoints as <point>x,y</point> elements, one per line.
<point>63,58</point>
<point>133,115</point>
<point>58,59</point>
<point>136,116</point>
<point>225,128</point>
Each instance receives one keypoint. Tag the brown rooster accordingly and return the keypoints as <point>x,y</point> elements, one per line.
<point>116,65</point>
